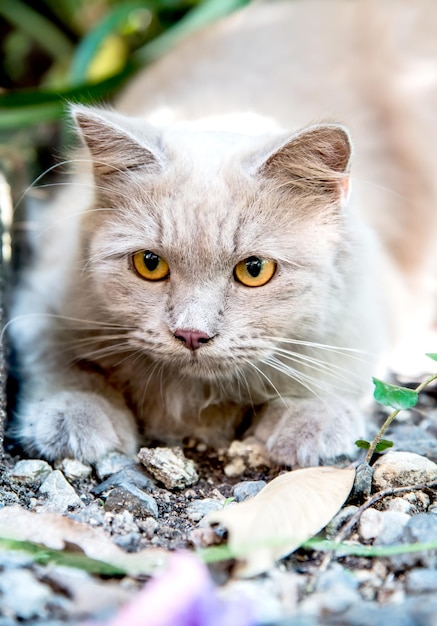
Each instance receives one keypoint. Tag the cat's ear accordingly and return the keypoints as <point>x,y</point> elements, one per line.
<point>114,143</point>
<point>316,160</point>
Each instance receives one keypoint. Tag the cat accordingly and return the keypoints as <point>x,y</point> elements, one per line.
<point>207,272</point>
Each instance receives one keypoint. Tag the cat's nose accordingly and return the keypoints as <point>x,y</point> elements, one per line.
<point>192,339</point>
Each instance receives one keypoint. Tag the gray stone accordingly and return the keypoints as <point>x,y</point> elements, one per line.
<point>247,489</point>
<point>23,595</point>
<point>421,528</point>
<point>400,469</point>
<point>61,496</point>
<point>409,438</point>
<point>169,466</point>
<point>363,481</point>
<point>128,542</point>
<point>336,576</point>
<point>337,522</point>
<point>197,509</point>
<point>74,469</point>
<point>131,499</point>
<point>370,614</point>
<point>30,472</point>
<point>385,527</point>
<point>125,478</point>
<point>113,462</point>
<point>149,526</point>
<point>421,580</point>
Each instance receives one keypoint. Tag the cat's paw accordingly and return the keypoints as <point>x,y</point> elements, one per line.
<point>309,432</point>
<point>78,424</point>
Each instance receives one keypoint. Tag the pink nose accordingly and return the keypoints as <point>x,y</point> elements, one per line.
<point>192,339</point>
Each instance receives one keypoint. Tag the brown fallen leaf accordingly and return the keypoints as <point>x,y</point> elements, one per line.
<point>61,533</point>
<point>286,513</point>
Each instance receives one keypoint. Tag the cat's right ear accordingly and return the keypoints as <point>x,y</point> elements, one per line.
<point>314,161</point>
<point>113,144</point>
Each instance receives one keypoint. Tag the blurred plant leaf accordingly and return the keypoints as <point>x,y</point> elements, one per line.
<point>40,29</point>
<point>43,555</point>
<point>432,356</point>
<point>88,49</point>
<point>394,396</point>
<point>24,107</point>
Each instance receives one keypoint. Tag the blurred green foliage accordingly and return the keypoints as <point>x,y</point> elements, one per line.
<point>59,51</point>
<point>55,51</point>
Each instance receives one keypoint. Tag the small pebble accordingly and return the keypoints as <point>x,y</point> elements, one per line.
<point>149,526</point>
<point>23,595</point>
<point>248,489</point>
<point>169,466</point>
<point>61,497</point>
<point>385,527</point>
<point>128,542</point>
<point>112,463</point>
<point>363,481</point>
<point>250,452</point>
<point>203,537</point>
<point>421,528</point>
<point>398,504</point>
<point>125,478</point>
<point>421,580</point>
<point>30,472</point>
<point>74,469</point>
<point>337,522</point>
<point>124,523</point>
<point>133,499</point>
<point>197,509</point>
<point>400,469</point>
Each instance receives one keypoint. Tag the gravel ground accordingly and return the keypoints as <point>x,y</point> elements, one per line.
<point>133,507</point>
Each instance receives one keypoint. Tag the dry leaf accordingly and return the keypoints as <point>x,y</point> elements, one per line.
<point>61,533</point>
<point>288,511</point>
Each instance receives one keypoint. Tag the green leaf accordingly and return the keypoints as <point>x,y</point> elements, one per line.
<point>394,396</point>
<point>432,355</point>
<point>383,444</point>
<point>363,444</point>
<point>44,555</point>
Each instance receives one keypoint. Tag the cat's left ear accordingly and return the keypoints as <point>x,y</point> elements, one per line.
<point>315,160</point>
<point>114,143</point>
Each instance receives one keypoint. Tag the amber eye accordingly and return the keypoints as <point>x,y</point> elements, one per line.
<point>254,272</point>
<point>150,266</point>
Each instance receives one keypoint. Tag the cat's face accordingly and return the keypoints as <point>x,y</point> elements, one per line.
<point>209,248</point>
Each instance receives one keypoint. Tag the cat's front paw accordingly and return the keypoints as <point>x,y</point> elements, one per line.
<point>309,432</point>
<point>78,424</point>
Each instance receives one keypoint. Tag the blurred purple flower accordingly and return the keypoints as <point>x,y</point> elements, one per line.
<point>183,595</point>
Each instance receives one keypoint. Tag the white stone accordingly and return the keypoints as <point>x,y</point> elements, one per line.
<point>169,466</point>
<point>60,494</point>
<point>384,527</point>
<point>74,469</point>
<point>400,469</point>
<point>23,595</point>
<point>30,471</point>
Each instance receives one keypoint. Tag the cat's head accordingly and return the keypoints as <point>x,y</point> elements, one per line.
<point>207,246</point>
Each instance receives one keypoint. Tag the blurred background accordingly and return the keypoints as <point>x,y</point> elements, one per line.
<point>59,51</point>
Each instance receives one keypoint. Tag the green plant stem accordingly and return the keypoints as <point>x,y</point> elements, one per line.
<point>390,418</point>
<point>37,27</point>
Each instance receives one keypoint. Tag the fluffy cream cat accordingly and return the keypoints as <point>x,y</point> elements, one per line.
<point>208,270</point>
